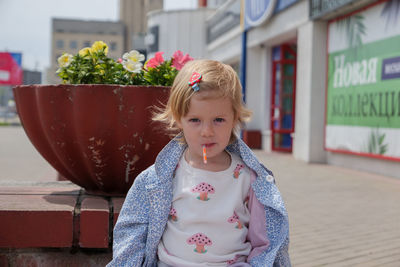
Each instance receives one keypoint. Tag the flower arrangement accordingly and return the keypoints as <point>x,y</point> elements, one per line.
<point>91,65</point>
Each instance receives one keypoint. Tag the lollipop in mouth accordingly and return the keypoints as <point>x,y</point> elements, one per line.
<point>204,155</point>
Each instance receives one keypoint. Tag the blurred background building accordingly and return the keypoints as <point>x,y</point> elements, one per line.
<point>173,30</point>
<point>12,73</point>
<point>70,36</point>
<point>321,76</point>
<point>32,77</point>
<point>128,33</point>
<point>133,14</point>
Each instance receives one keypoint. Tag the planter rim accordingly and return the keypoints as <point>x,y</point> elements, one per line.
<point>89,86</point>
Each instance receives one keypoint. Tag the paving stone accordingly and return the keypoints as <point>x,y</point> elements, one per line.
<point>338,216</point>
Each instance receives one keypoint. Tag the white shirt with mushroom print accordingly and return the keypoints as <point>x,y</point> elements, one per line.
<point>208,221</point>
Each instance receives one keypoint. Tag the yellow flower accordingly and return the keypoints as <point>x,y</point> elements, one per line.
<point>132,61</point>
<point>98,46</point>
<point>85,51</point>
<point>100,69</point>
<point>64,60</point>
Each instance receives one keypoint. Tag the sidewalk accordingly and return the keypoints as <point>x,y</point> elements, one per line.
<point>338,217</point>
<point>19,160</point>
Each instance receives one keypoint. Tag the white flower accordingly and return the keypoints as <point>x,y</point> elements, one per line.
<point>64,60</point>
<point>134,56</point>
<point>132,67</point>
<point>132,61</point>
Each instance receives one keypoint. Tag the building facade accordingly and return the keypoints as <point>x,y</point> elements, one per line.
<point>322,77</point>
<point>72,35</point>
<point>133,14</point>
<point>173,30</point>
<point>32,77</point>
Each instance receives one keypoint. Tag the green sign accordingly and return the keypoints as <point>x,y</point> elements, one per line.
<point>363,94</point>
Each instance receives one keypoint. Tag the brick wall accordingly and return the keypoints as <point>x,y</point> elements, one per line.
<point>55,224</point>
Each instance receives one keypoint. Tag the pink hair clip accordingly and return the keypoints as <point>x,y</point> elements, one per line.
<point>194,81</point>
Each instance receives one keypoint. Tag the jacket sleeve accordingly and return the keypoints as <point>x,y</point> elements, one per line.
<point>257,225</point>
<point>130,231</point>
<point>258,236</point>
<point>282,257</point>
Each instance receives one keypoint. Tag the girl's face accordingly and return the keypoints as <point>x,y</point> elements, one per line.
<point>209,122</point>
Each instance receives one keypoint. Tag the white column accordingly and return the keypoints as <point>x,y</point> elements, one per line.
<point>308,143</point>
<point>258,91</point>
<point>257,87</point>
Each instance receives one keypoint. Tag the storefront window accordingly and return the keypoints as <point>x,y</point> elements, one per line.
<point>283,92</point>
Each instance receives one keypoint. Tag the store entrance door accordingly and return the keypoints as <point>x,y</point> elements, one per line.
<point>283,96</point>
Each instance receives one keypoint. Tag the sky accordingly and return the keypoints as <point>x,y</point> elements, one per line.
<point>25,25</point>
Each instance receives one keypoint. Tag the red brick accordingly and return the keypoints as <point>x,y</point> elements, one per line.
<point>94,223</point>
<point>117,204</point>
<point>36,220</point>
<point>3,260</point>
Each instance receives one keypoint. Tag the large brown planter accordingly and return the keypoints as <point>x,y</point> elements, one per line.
<point>99,137</point>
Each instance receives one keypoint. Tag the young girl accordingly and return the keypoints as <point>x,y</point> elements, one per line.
<point>207,200</point>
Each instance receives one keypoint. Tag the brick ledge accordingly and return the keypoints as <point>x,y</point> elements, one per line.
<point>55,215</point>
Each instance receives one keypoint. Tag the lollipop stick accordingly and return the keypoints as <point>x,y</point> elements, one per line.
<point>204,155</point>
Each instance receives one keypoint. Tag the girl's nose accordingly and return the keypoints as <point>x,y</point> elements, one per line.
<point>207,130</point>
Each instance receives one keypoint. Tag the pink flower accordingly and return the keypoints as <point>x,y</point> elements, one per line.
<point>120,60</point>
<point>179,60</point>
<point>156,60</point>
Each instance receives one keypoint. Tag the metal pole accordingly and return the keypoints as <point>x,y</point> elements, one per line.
<point>243,60</point>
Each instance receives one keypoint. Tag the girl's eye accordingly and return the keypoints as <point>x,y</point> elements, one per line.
<point>194,120</point>
<point>219,120</point>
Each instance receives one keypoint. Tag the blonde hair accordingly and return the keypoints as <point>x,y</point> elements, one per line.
<point>219,80</point>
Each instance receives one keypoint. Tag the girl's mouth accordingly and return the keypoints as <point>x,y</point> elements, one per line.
<point>208,145</point>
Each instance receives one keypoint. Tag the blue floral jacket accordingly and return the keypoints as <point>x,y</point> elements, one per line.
<point>145,211</point>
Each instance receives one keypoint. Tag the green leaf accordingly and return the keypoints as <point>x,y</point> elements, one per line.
<point>381,139</point>
<point>383,149</point>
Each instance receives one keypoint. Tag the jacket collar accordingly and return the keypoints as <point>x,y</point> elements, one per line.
<point>169,156</point>
<point>240,148</point>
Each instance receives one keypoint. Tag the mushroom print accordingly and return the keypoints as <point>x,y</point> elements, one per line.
<point>172,214</point>
<point>200,240</point>
<point>235,219</point>
<point>204,189</point>
<point>236,172</point>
